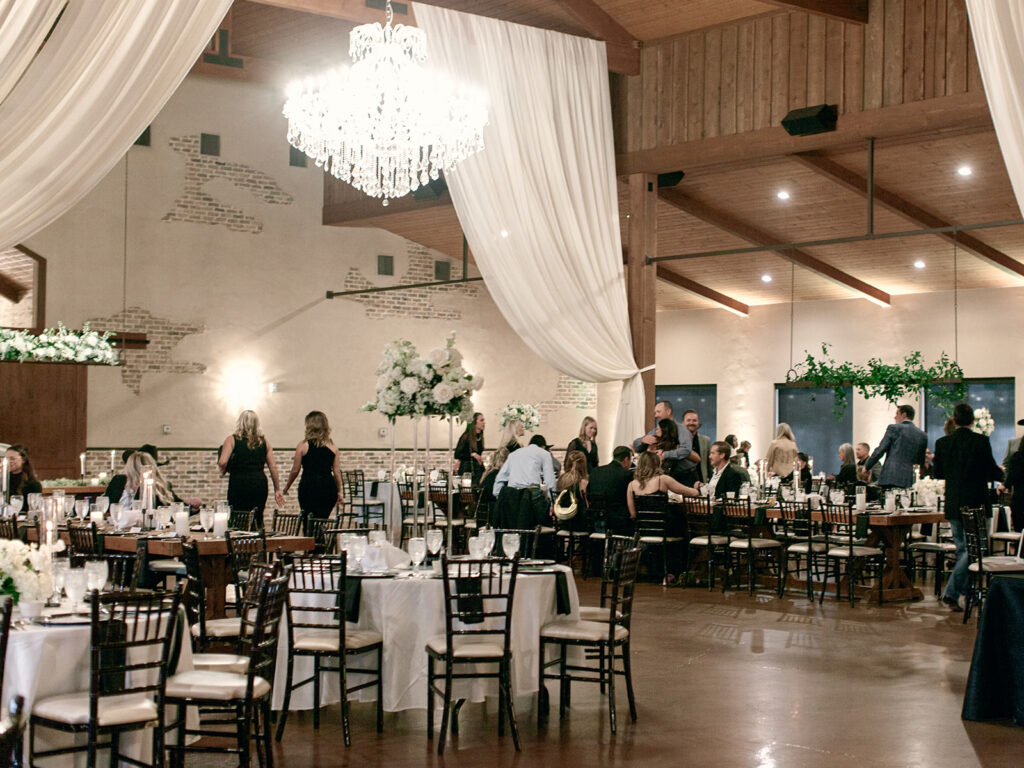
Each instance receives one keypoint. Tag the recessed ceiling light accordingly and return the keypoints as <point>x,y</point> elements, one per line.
<point>782,194</point>
<point>918,264</point>
<point>766,278</point>
<point>504,233</point>
<point>964,170</point>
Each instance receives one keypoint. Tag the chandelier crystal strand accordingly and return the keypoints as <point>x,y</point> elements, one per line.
<point>385,124</point>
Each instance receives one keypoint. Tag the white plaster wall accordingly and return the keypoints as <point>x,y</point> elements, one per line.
<point>745,357</point>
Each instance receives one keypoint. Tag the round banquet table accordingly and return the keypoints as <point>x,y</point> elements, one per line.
<point>408,612</point>
<point>44,661</point>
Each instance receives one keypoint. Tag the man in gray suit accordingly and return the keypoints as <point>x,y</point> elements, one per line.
<point>701,445</point>
<point>903,446</point>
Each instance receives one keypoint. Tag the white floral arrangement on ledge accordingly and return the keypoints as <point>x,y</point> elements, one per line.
<point>25,569</point>
<point>523,412</point>
<point>59,345</point>
<point>437,385</point>
<point>984,424</point>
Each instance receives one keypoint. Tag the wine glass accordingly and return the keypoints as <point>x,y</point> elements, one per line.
<point>96,574</point>
<point>81,508</point>
<point>60,569</point>
<point>434,539</point>
<point>102,503</point>
<point>357,548</point>
<point>206,518</point>
<point>510,544</point>
<point>76,581</point>
<point>417,551</point>
<point>16,503</point>
<point>487,536</point>
<point>35,503</point>
<point>476,547</point>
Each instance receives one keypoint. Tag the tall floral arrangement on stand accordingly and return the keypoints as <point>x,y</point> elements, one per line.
<point>983,424</point>
<point>523,412</point>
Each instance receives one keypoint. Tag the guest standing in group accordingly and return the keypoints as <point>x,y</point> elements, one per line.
<point>469,452</point>
<point>574,479</point>
<point>511,435</point>
<point>585,442</point>
<point>612,481</point>
<point>848,470</point>
<point>524,486</point>
<point>243,456</point>
<point>317,457</point>
<point>1015,482</point>
<point>701,446</point>
<point>782,453</point>
<point>903,446</point>
<point>666,446</point>
<point>683,456</point>
<point>964,460</point>
<point>21,477</point>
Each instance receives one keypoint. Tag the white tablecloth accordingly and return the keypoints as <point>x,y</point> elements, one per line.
<point>49,661</point>
<point>408,612</point>
<point>387,493</point>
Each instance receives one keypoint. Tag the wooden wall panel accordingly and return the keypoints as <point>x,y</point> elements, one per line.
<point>45,410</point>
<point>747,75</point>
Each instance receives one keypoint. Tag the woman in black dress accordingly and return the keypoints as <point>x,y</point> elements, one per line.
<point>585,443</point>
<point>21,477</point>
<point>317,457</point>
<point>1015,482</point>
<point>242,457</point>
<point>470,449</point>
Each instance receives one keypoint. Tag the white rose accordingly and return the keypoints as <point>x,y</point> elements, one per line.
<point>382,381</point>
<point>443,393</point>
<point>477,382</point>
<point>410,385</point>
<point>437,357</point>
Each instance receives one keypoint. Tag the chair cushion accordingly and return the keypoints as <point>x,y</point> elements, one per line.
<point>597,613</point>
<point>442,522</point>
<point>933,546</point>
<point>845,551</point>
<point>327,639</point>
<point>167,565</point>
<point>220,628</point>
<point>800,547</point>
<point>587,631</point>
<point>1013,536</point>
<point>466,648</point>
<point>218,686</point>
<point>113,710</point>
<point>716,541</point>
<point>546,529</point>
<point>598,535</point>
<point>221,662</point>
<point>755,543</point>
<point>1001,564</point>
<point>659,539</point>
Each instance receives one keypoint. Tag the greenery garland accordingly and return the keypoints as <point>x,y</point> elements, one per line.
<point>892,383</point>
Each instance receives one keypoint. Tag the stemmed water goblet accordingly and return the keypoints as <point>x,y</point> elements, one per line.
<point>81,508</point>
<point>97,574</point>
<point>487,536</point>
<point>76,581</point>
<point>510,544</point>
<point>35,503</point>
<point>356,549</point>
<point>434,538</point>
<point>15,505</point>
<point>417,551</point>
<point>102,504</point>
<point>206,518</point>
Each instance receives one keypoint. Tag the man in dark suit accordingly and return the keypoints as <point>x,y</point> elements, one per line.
<point>612,481</point>
<point>964,460</point>
<point>725,477</point>
<point>701,446</point>
<point>903,446</point>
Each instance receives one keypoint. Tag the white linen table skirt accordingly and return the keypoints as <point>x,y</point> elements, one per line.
<point>408,612</point>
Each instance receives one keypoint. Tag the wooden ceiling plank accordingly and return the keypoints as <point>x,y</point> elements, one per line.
<point>674,278</point>
<point>902,207</point>
<point>354,212</point>
<point>349,10</point>
<point>855,11</point>
<point>751,234</point>
<point>12,290</point>
<point>920,118</point>
<point>597,21</point>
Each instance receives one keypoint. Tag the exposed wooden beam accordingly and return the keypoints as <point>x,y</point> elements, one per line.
<point>12,290</point>
<point>751,234</point>
<point>674,278</point>
<point>349,10</point>
<point>641,289</point>
<point>902,207</point>
<point>355,211</point>
<point>844,10</point>
<point>623,49</point>
<point>926,117</point>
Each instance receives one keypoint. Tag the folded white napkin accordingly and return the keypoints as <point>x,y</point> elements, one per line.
<point>374,560</point>
<point>131,518</point>
<point>815,500</point>
<point>395,557</point>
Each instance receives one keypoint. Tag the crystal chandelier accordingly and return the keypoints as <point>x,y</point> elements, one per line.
<point>385,124</point>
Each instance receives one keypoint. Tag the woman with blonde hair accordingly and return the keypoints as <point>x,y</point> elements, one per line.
<point>782,453</point>
<point>585,442</point>
<point>649,478</point>
<point>511,434</point>
<point>139,465</point>
<point>242,457</point>
<point>848,471</point>
<point>317,457</point>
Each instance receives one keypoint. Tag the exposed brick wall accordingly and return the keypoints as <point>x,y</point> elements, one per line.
<point>570,393</point>
<point>163,334</point>
<point>198,207</point>
<point>415,303</point>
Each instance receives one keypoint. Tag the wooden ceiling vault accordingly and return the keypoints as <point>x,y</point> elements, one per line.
<point>701,86</point>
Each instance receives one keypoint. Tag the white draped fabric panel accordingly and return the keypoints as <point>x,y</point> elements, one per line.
<point>539,205</point>
<point>998,29</point>
<point>101,78</point>
<point>23,27</point>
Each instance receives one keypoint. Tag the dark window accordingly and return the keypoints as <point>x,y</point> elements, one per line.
<point>209,144</point>
<point>296,157</point>
<point>808,411</point>
<point>385,264</point>
<point>143,140</point>
<point>702,398</point>
<point>442,270</point>
<point>994,394</point>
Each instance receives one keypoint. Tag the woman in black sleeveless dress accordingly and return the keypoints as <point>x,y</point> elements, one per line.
<point>470,449</point>
<point>317,457</point>
<point>242,458</point>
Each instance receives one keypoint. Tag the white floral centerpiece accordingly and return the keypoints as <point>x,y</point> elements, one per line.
<point>25,570</point>
<point>523,412</point>
<point>59,345</point>
<point>928,489</point>
<point>984,424</point>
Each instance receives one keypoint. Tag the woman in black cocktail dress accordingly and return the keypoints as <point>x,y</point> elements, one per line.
<point>317,457</point>
<point>242,458</point>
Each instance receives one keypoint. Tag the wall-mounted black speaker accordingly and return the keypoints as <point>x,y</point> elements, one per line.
<point>810,120</point>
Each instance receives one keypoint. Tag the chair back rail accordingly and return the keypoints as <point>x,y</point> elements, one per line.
<point>528,538</point>
<point>287,523</point>
<point>651,515</point>
<point>478,599</point>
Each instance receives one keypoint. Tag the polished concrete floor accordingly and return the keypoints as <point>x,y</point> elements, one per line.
<point>728,680</point>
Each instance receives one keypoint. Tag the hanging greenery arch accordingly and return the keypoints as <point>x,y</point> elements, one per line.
<point>892,383</point>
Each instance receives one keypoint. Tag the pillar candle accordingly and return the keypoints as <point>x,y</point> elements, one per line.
<point>113,455</point>
<point>81,459</point>
<point>5,478</point>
